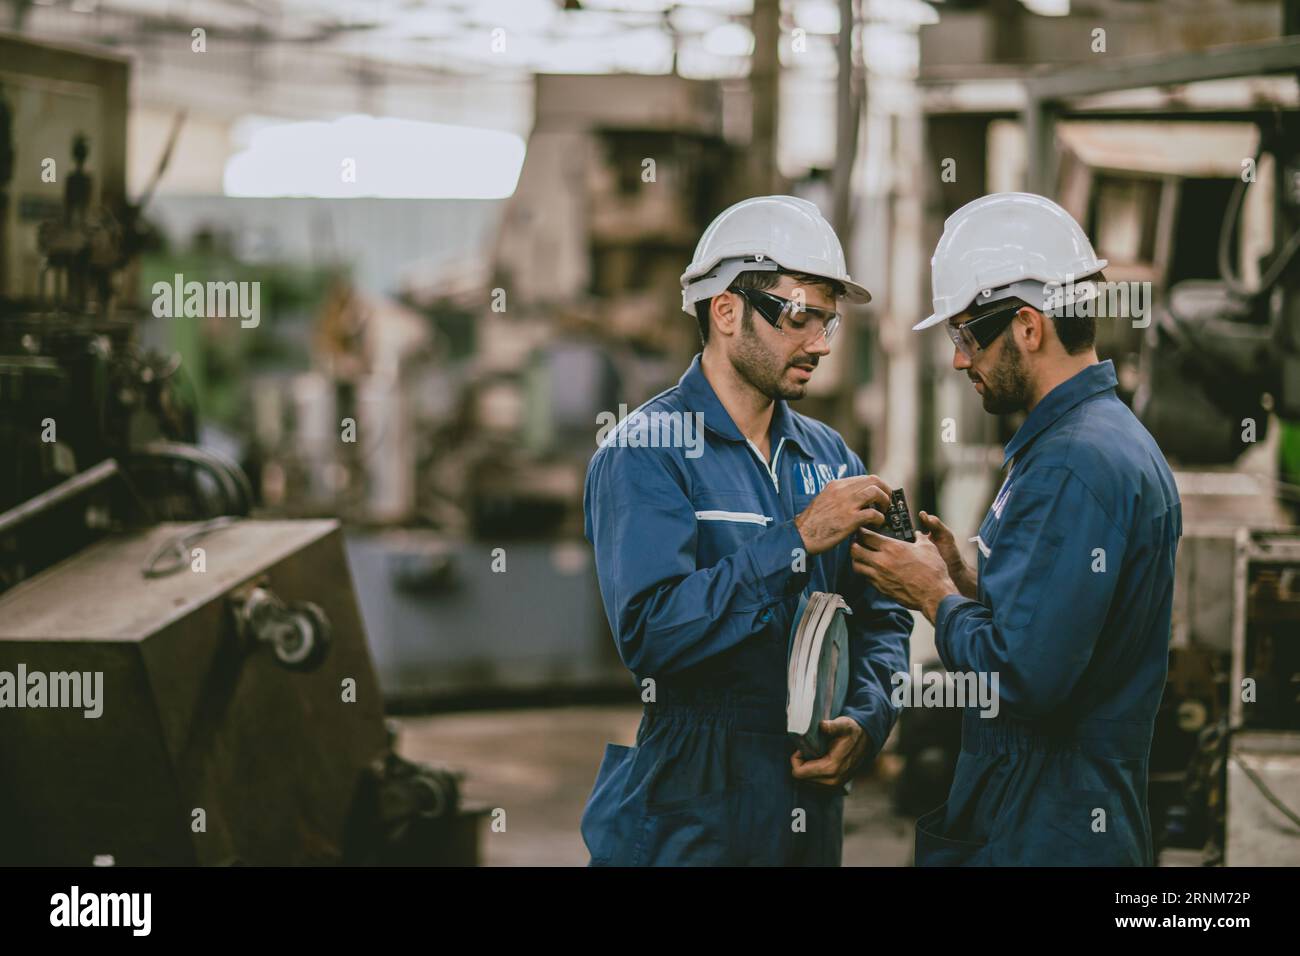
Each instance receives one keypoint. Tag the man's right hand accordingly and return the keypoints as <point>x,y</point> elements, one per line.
<point>840,509</point>
<point>966,580</point>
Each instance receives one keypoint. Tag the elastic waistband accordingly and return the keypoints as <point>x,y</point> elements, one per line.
<point>1126,739</point>
<point>739,713</point>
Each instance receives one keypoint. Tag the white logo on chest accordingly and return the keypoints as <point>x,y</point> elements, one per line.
<point>809,483</point>
<point>1004,493</point>
<point>817,476</point>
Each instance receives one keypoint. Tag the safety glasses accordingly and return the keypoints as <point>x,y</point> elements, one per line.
<point>800,322</point>
<point>975,335</point>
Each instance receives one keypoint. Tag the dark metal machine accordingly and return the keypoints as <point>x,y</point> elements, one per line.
<point>213,742</point>
<point>179,683</point>
<point>1220,351</point>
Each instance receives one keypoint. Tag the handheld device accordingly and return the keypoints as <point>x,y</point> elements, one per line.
<point>898,523</point>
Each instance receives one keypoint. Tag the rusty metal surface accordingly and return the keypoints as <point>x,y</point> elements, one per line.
<point>192,718</point>
<point>101,594</point>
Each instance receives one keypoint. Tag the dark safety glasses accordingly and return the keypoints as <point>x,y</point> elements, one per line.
<point>975,335</point>
<point>789,317</point>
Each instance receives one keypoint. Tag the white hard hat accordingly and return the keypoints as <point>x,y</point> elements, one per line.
<point>765,234</point>
<point>1006,244</point>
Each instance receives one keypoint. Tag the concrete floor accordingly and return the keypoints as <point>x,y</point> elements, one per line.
<point>538,766</point>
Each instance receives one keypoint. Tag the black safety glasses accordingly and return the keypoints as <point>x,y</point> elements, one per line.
<point>789,317</point>
<point>975,335</point>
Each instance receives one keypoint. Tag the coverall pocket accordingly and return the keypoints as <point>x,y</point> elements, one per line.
<point>604,815</point>
<point>725,522</point>
<point>934,848</point>
<point>1083,828</point>
<point>1063,827</point>
<point>682,763</point>
<point>689,817</point>
<point>692,832</point>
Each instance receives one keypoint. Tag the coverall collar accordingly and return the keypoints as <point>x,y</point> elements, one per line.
<point>701,397</point>
<point>1082,385</point>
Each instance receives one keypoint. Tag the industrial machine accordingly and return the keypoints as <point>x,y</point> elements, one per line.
<point>1263,752</point>
<point>1226,352</point>
<point>180,683</point>
<point>1223,354</point>
<point>228,731</point>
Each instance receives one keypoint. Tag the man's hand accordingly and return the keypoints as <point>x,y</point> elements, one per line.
<point>841,508</point>
<point>914,575</point>
<point>961,573</point>
<point>848,742</point>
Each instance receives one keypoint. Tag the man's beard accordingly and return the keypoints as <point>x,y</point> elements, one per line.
<point>763,370</point>
<point>1006,386</point>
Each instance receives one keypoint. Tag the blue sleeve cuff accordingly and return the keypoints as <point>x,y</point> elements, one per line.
<point>943,616</point>
<point>877,730</point>
<point>772,558</point>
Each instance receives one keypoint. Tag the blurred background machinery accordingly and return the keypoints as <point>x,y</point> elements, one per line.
<point>463,489</point>
<point>241,720</point>
<point>1262,749</point>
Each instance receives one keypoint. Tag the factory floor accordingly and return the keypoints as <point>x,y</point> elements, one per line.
<point>538,766</point>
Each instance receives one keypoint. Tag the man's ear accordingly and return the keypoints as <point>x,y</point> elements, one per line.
<point>1032,326</point>
<point>725,312</point>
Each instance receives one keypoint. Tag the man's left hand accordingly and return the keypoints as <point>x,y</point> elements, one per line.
<point>912,573</point>
<point>848,742</point>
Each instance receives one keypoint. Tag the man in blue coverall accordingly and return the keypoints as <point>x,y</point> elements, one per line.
<point>1070,605</point>
<point>703,548</point>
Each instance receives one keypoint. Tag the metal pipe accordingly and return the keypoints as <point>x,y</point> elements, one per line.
<point>765,90</point>
<point>846,125</point>
<point>61,493</point>
<point>1046,94</point>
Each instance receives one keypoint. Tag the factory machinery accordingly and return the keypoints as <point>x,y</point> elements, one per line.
<point>180,683</point>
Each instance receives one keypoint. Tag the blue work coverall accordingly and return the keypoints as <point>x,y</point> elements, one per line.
<point>700,570</point>
<point>1076,577</point>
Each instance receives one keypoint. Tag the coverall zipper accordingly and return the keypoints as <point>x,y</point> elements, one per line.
<point>776,483</point>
